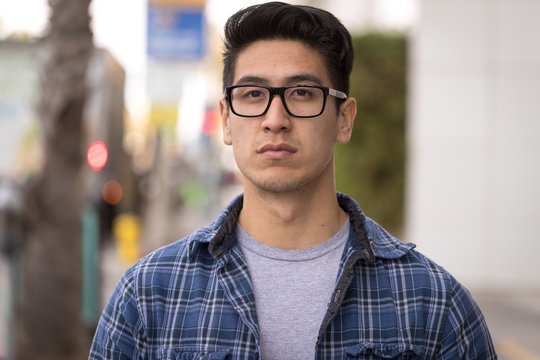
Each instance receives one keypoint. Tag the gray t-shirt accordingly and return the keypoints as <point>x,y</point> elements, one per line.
<point>292,291</point>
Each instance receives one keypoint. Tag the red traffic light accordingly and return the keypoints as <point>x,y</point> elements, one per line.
<point>97,155</point>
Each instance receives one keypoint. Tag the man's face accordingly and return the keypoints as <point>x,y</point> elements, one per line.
<point>277,152</point>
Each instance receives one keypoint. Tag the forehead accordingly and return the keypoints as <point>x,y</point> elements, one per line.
<point>280,62</point>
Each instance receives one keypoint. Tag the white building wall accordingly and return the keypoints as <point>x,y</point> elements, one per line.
<point>474,140</point>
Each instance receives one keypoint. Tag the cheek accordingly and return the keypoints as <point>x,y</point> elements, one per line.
<point>237,134</point>
<point>240,142</point>
<point>327,144</point>
<point>327,134</point>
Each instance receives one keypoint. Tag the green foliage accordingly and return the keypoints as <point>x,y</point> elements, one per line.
<point>371,168</point>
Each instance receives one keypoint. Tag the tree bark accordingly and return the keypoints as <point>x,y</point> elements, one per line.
<point>49,312</point>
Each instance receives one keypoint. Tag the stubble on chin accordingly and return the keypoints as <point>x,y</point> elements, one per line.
<point>281,184</point>
<point>278,186</point>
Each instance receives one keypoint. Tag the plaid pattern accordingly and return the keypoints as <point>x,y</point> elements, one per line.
<point>193,300</point>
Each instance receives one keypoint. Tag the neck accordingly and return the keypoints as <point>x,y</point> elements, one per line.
<point>296,220</point>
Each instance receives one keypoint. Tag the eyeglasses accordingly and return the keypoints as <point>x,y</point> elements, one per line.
<point>303,101</point>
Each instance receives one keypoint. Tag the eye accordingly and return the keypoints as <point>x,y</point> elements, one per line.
<point>250,93</point>
<point>301,94</point>
<point>254,93</point>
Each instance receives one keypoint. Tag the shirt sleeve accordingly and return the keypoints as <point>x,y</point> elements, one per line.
<point>120,333</point>
<point>465,334</point>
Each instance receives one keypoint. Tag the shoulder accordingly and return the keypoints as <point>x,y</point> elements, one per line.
<point>138,304</point>
<point>418,282</point>
<point>404,261</point>
<point>410,271</point>
<point>188,257</point>
<point>416,279</point>
<point>181,258</point>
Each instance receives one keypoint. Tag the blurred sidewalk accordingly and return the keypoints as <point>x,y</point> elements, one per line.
<point>513,318</point>
<point>5,308</point>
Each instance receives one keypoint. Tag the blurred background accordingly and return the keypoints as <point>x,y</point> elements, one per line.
<point>110,147</point>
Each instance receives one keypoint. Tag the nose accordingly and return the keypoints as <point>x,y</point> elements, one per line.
<point>276,118</point>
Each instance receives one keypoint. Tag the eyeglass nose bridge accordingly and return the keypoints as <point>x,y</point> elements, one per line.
<point>277,91</point>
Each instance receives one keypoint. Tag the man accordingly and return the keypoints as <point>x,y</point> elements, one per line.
<point>290,270</point>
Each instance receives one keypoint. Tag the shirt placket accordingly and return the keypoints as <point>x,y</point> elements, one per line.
<point>234,277</point>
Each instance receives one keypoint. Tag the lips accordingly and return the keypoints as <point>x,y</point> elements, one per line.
<point>276,151</point>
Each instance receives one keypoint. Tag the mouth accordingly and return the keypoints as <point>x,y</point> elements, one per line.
<point>276,151</point>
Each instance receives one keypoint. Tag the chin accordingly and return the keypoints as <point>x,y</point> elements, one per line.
<point>277,188</point>
<point>281,185</point>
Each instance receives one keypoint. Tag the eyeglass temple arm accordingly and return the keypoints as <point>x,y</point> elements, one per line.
<point>337,93</point>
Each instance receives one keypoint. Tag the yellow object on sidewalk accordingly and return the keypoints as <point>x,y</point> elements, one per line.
<point>127,231</point>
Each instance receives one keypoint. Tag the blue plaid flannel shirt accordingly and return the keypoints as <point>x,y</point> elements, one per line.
<point>193,299</point>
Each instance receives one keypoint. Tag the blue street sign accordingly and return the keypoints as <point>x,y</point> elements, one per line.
<point>175,32</point>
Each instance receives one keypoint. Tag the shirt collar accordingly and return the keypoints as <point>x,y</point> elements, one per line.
<point>370,234</point>
<point>370,237</point>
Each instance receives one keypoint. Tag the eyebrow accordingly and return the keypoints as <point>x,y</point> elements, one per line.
<point>303,78</point>
<point>298,78</point>
<point>250,79</point>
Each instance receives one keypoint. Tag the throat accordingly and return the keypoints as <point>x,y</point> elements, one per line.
<point>292,228</point>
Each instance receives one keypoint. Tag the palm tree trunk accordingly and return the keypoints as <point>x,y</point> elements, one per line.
<point>49,314</point>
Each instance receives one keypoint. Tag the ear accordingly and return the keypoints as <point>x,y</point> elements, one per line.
<point>347,114</point>
<point>224,113</point>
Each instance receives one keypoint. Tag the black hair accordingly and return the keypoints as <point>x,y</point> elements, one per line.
<point>314,27</point>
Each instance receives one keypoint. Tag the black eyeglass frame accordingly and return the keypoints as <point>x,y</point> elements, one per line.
<point>281,92</point>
